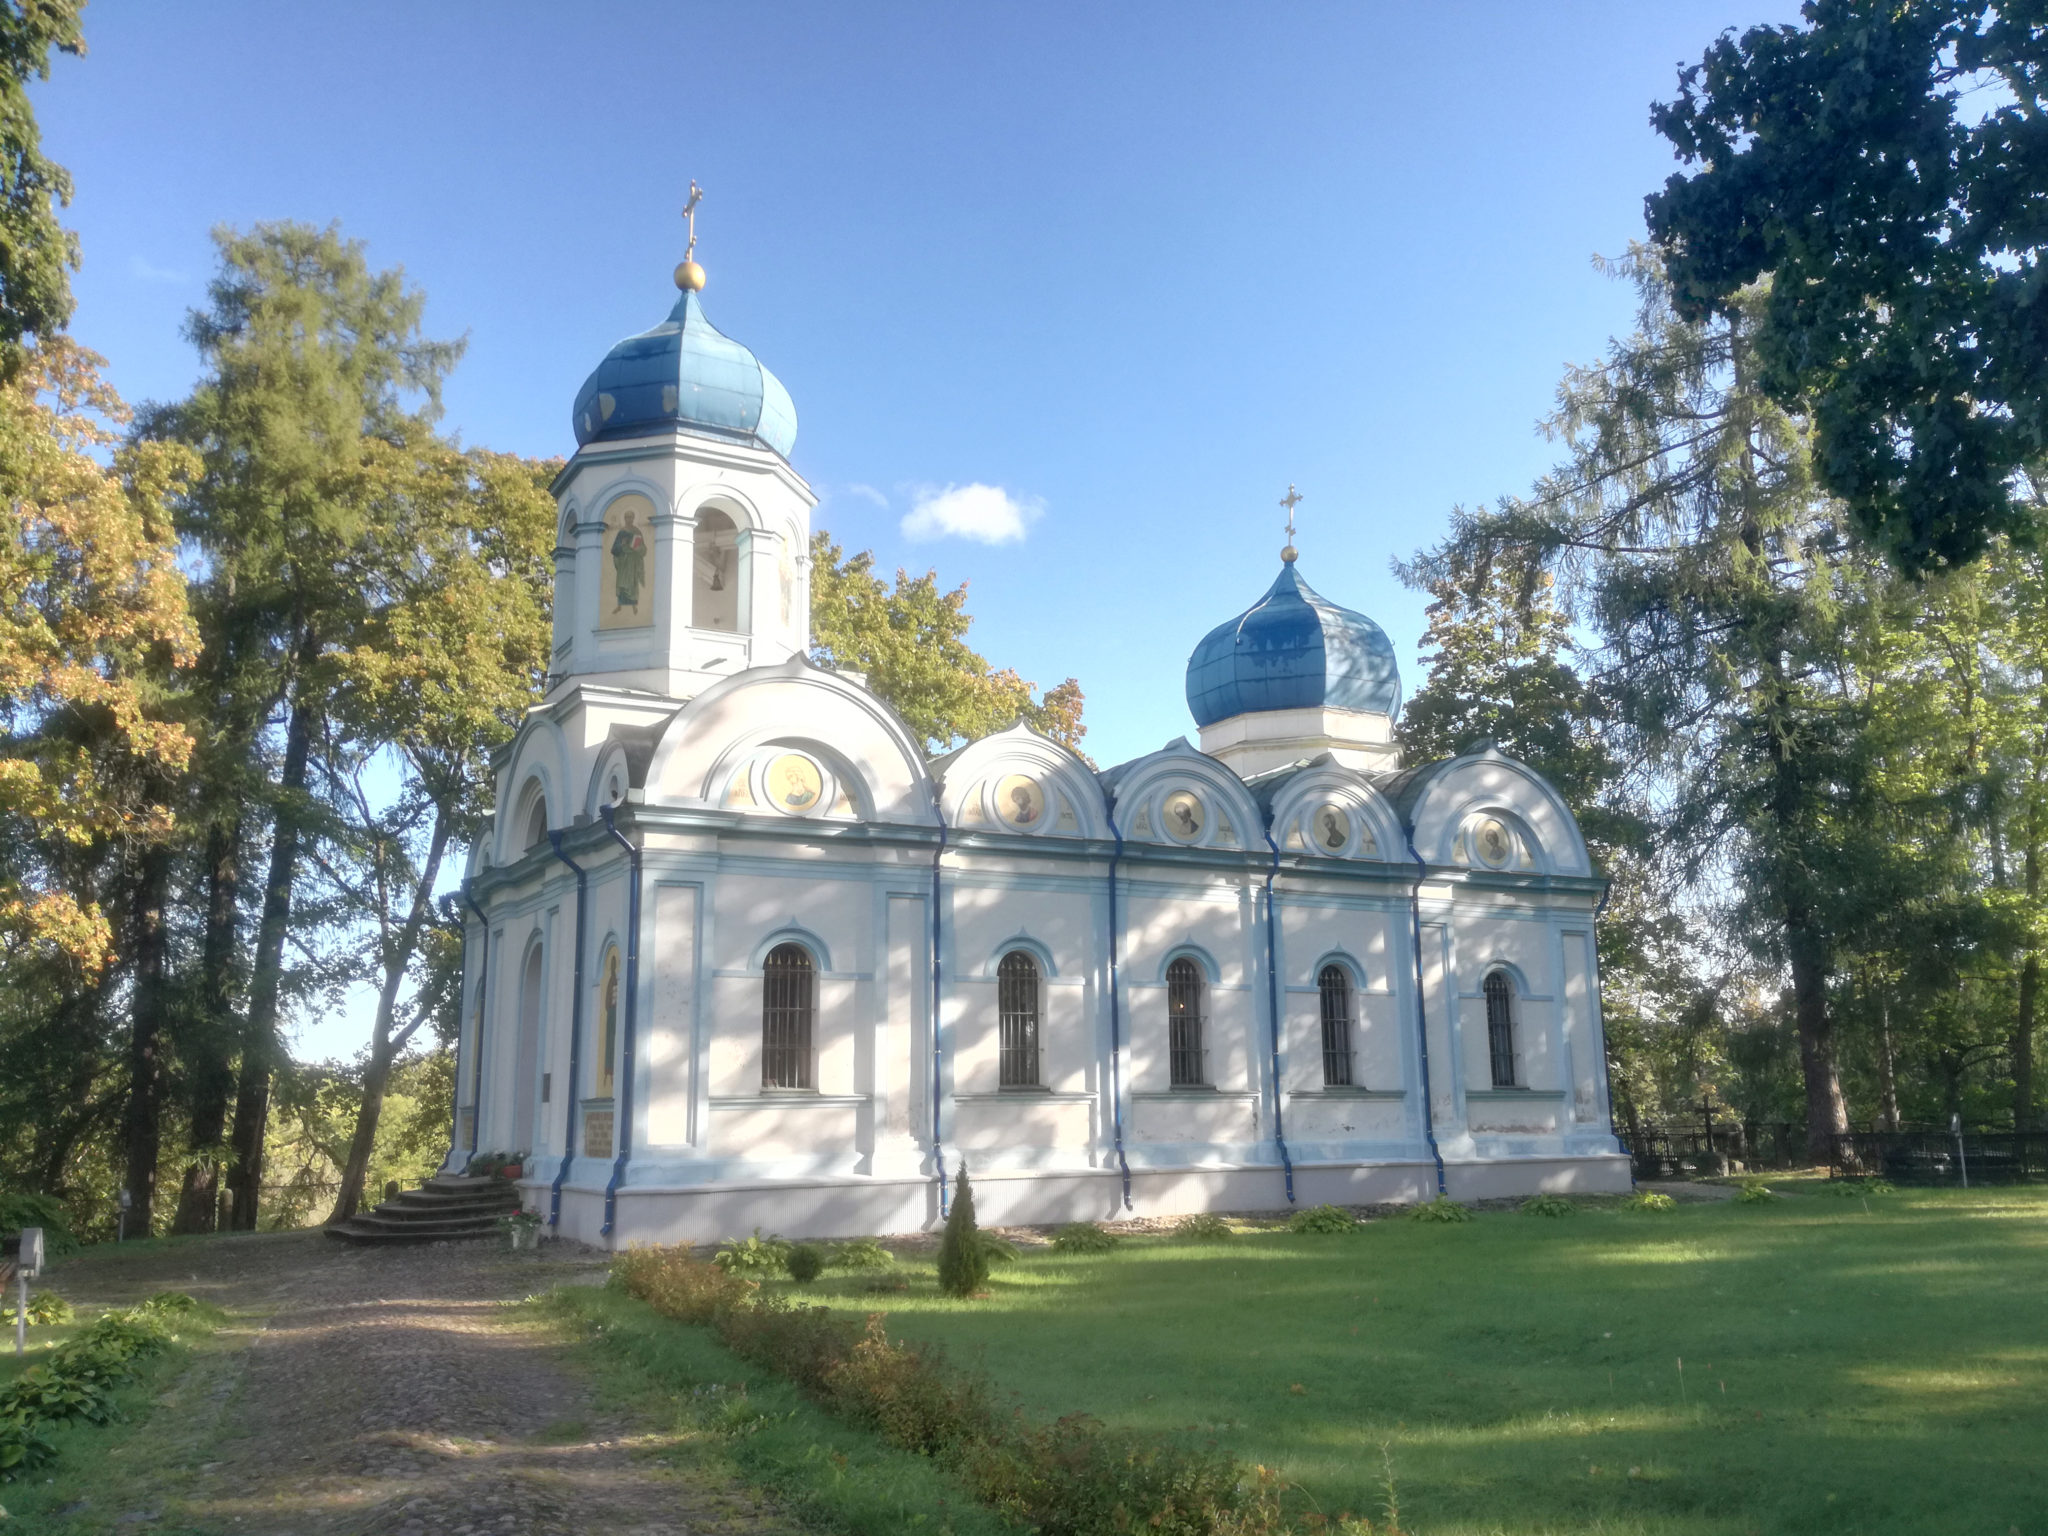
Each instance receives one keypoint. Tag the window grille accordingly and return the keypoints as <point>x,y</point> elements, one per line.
<point>1186,1064</point>
<point>1336,989</point>
<point>1017,1006</point>
<point>1500,1027</point>
<point>788,993</point>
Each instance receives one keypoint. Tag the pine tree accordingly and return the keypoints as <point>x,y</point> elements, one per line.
<point>963,1257</point>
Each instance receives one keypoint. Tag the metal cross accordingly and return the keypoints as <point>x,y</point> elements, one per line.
<point>690,213</point>
<point>1290,501</point>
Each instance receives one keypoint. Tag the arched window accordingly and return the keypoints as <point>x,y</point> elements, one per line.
<point>1186,1064</point>
<point>715,581</point>
<point>1017,1005</point>
<point>1335,987</point>
<point>536,822</point>
<point>788,1007</point>
<point>1500,1027</point>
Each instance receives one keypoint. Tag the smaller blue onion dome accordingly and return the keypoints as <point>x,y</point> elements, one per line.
<point>1293,649</point>
<point>685,373</point>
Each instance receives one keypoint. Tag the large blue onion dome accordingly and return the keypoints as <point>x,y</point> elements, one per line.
<point>685,373</point>
<point>1293,649</point>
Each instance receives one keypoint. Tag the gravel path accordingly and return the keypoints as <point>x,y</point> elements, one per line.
<point>390,1391</point>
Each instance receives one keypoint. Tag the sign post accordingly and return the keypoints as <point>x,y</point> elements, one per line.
<point>28,1262</point>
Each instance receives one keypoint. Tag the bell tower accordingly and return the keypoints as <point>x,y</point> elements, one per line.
<point>683,550</point>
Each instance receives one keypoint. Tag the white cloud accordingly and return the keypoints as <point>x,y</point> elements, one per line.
<point>868,493</point>
<point>987,514</point>
<point>149,272</point>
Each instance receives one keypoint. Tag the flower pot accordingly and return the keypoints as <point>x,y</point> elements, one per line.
<point>512,1171</point>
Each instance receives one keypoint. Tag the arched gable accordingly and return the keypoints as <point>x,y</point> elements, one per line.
<point>1018,781</point>
<point>1331,801</point>
<point>709,753</point>
<point>1184,798</point>
<point>1452,801</point>
<point>728,498</point>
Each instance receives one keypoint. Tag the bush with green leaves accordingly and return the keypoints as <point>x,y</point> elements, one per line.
<point>45,1310</point>
<point>1328,1220</point>
<point>1845,1188</point>
<point>20,1209</point>
<point>1548,1205</point>
<point>1649,1200</point>
<point>1083,1237</point>
<point>1755,1192</point>
<point>1442,1208</point>
<point>859,1253</point>
<point>80,1377</point>
<point>1206,1227</point>
<point>963,1258</point>
<point>755,1257</point>
<point>805,1263</point>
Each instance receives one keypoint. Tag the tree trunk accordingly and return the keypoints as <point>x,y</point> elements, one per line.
<point>207,1053</point>
<point>2023,1046</point>
<point>142,1123</point>
<point>259,1036</point>
<point>1826,1115</point>
<point>384,1048</point>
<point>1887,1067</point>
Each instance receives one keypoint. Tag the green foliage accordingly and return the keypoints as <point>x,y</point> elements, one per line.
<point>754,1257</point>
<point>19,1209</point>
<point>1203,1227</point>
<point>45,1308</point>
<point>678,1284</point>
<point>37,253</point>
<point>805,1263</point>
<point>1878,166</point>
<point>1848,1189</point>
<point>1548,1205</point>
<point>859,1253</point>
<point>1755,1192</point>
<point>1442,1209</point>
<point>911,645</point>
<point>1323,1219</point>
<point>80,1377</point>
<point>1083,1237</point>
<point>963,1257</point>
<point>1649,1200</point>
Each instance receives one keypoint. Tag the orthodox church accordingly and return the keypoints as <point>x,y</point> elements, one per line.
<point>738,954</point>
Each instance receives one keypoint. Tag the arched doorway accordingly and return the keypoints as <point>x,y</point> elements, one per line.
<point>526,1052</point>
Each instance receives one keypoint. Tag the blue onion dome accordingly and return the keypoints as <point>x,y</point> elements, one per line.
<point>685,373</point>
<point>1293,649</point>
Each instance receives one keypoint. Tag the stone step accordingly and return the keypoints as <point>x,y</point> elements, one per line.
<point>444,1209</point>
<point>360,1230</point>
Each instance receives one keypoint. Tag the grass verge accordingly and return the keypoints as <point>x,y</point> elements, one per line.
<point>828,1472</point>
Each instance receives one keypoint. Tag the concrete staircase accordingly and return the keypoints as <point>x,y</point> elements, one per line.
<point>446,1209</point>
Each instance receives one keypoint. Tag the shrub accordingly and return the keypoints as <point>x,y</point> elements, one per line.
<point>860,1253</point>
<point>20,1209</point>
<point>904,1393</point>
<point>485,1165</point>
<point>1204,1228</point>
<point>1083,1237</point>
<point>677,1284</point>
<point>1548,1205</point>
<point>1847,1187</point>
<point>79,1379</point>
<point>756,1257</point>
<point>963,1258</point>
<point>1329,1219</point>
<point>1442,1208</point>
<point>1755,1192</point>
<point>44,1309</point>
<point>894,1283</point>
<point>1649,1200</point>
<point>805,1263</point>
<point>1076,1477</point>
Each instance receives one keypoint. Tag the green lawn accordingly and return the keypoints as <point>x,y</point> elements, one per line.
<point>1849,1365</point>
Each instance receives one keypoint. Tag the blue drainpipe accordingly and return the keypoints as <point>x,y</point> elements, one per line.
<point>476,1053</point>
<point>1273,1011</point>
<point>938,1002</point>
<point>625,1121</point>
<point>1422,1010</point>
<point>575,1036</point>
<point>1116,1091</point>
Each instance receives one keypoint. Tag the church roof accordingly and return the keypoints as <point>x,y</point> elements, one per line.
<point>1293,649</point>
<point>685,373</point>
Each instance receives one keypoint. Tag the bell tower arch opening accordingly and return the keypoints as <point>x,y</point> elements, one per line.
<point>715,583</point>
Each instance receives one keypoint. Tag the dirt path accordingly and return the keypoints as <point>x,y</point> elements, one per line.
<point>390,1391</point>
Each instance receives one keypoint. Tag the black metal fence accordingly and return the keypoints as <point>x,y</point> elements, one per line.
<point>1944,1157</point>
<point>1677,1151</point>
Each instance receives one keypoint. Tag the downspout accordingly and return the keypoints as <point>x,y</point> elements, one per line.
<point>575,1035</point>
<point>1273,1011</point>
<point>625,1121</point>
<point>476,1054</point>
<point>938,1003</point>
<point>1116,1090</point>
<point>1606,1068</point>
<point>1422,1010</point>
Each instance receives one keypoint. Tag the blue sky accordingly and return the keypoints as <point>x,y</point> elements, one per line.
<point>1138,266</point>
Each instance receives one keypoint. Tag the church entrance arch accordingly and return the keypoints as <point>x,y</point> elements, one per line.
<point>526,1051</point>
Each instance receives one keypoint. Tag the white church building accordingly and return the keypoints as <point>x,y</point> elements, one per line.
<point>740,955</point>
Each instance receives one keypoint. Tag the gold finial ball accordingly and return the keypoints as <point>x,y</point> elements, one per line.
<point>690,277</point>
<point>1289,553</point>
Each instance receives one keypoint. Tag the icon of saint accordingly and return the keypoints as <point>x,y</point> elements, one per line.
<point>629,564</point>
<point>1184,814</point>
<point>1334,830</point>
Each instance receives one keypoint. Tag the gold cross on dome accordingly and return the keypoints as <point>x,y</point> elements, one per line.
<point>1290,501</point>
<point>690,213</point>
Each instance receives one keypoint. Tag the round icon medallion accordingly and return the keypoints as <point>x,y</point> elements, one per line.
<point>1331,827</point>
<point>1490,840</point>
<point>1020,800</point>
<point>795,783</point>
<point>1183,815</point>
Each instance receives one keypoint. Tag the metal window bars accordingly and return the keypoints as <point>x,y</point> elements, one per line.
<point>1185,1055</point>
<point>1017,1009</point>
<point>1500,1027</point>
<point>788,1006</point>
<point>1335,987</point>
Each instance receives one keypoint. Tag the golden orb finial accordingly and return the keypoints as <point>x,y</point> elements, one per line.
<point>690,277</point>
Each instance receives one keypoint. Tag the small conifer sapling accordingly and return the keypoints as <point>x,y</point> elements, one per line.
<point>963,1259</point>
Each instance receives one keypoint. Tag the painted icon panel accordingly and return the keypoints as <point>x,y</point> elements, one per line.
<point>626,600</point>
